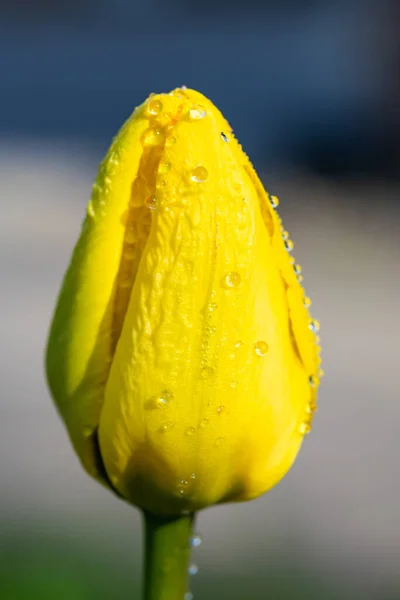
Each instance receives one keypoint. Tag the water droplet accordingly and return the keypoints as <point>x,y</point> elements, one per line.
<point>261,348</point>
<point>204,423</point>
<point>188,596</point>
<point>90,209</point>
<point>232,279</point>
<point>212,306</point>
<point>164,167</point>
<point>199,174</point>
<point>88,431</point>
<point>162,399</point>
<point>220,409</point>
<point>151,202</point>
<point>297,269</point>
<point>300,278</point>
<point>238,344</point>
<point>170,141</point>
<point>153,136</point>
<point>234,384</point>
<point>193,476</point>
<point>219,441</point>
<point>274,201</point>
<point>311,408</point>
<point>314,325</point>
<point>183,483</point>
<point>313,380</point>
<point>193,569</point>
<point>305,428</point>
<point>166,427</point>
<point>197,112</point>
<point>195,541</point>
<point>288,245</point>
<point>285,234</point>
<point>154,107</point>
<point>190,431</point>
<point>207,372</point>
<point>307,301</point>
<point>224,137</point>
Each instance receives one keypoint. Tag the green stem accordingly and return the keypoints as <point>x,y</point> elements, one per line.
<point>167,556</point>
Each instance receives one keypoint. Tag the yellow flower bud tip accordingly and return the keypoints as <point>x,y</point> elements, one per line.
<point>182,356</point>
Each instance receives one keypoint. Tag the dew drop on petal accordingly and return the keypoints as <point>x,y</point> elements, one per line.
<point>151,202</point>
<point>238,344</point>
<point>166,427</point>
<point>304,428</point>
<point>220,409</point>
<point>274,201</point>
<point>232,279</point>
<point>193,569</point>
<point>204,423</point>
<point>190,431</point>
<point>224,137</point>
<point>207,372</point>
<point>314,325</point>
<point>154,107</point>
<point>297,269</point>
<point>307,301</point>
<point>193,476</point>
<point>311,408</point>
<point>153,136</point>
<point>313,380</point>
<point>212,306</point>
<point>285,234</point>
<point>289,245</point>
<point>197,112</point>
<point>219,441</point>
<point>261,348</point>
<point>199,174</point>
<point>164,167</point>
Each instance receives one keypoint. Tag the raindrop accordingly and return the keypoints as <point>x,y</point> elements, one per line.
<point>212,306</point>
<point>170,141</point>
<point>307,301</point>
<point>204,423</point>
<point>285,234</point>
<point>224,137</point>
<point>219,441</point>
<point>261,348</point>
<point>238,344</point>
<point>193,476</point>
<point>274,201</point>
<point>183,483</point>
<point>207,372</point>
<point>313,380</point>
<point>160,401</point>
<point>220,409</point>
<point>154,107</point>
<point>166,427</point>
<point>232,279</point>
<point>190,431</point>
<point>311,408</point>
<point>305,428</point>
<point>199,174</point>
<point>288,245</point>
<point>90,209</point>
<point>195,541</point>
<point>151,202</point>
<point>153,136</point>
<point>164,167</point>
<point>314,325</point>
<point>197,112</point>
<point>193,569</point>
<point>297,269</point>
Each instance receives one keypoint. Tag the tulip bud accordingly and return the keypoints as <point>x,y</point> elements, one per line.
<point>182,356</point>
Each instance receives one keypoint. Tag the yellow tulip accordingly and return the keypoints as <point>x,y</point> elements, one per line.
<point>182,356</point>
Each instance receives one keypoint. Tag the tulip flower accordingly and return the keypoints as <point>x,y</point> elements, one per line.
<point>182,356</point>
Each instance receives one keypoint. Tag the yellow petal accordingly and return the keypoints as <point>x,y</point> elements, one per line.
<point>181,331</point>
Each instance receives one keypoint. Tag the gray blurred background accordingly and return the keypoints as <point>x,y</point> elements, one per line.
<point>312,90</point>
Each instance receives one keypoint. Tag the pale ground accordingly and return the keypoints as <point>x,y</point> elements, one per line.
<point>340,504</point>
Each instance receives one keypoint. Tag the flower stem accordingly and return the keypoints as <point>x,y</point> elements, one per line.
<point>167,553</point>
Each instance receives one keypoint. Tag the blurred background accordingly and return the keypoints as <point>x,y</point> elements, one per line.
<point>312,90</point>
